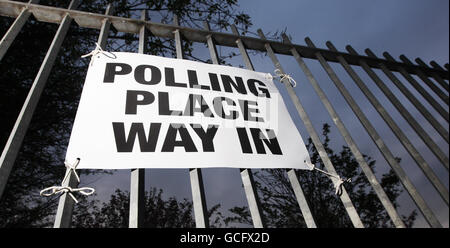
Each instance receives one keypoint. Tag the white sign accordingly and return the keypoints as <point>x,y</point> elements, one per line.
<point>143,111</point>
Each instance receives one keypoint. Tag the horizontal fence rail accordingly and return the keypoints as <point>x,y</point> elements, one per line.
<point>434,78</point>
<point>129,25</point>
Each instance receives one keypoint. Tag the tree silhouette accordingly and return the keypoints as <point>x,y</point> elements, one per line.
<point>159,213</point>
<point>41,158</point>
<point>40,161</point>
<point>281,209</point>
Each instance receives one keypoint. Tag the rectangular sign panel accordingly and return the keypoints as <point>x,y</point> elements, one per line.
<point>143,111</point>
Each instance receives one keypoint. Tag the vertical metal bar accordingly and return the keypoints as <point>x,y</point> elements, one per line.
<point>198,191</point>
<point>427,81</point>
<point>309,219</point>
<point>388,119</point>
<point>242,50</point>
<point>104,30</point>
<point>390,209</point>
<point>436,125</point>
<point>137,199</point>
<point>63,217</point>
<point>65,206</point>
<point>433,74</point>
<point>137,183</point>
<point>436,65</point>
<point>143,34</point>
<point>345,198</point>
<point>14,30</point>
<point>198,198</point>
<point>301,199</point>
<point>409,186</point>
<point>178,43</point>
<point>253,201</point>
<point>444,114</point>
<point>211,45</point>
<point>403,111</point>
<point>251,194</point>
<point>17,135</point>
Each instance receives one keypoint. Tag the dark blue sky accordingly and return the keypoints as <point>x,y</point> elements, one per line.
<point>416,28</point>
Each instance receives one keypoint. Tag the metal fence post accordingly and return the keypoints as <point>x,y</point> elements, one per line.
<point>301,199</point>
<point>63,217</point>
<point>409,186</point>
<point>198,191</point>
<point>20,128</point>
<point>403,112</point>
<point>391,123</point>
<point>137,183</point>
<point>14,30</point>
<point>436,125</point>
<point>251,193</point>
<point>342,129</point>
<point>427,81</point>
<point>345,198</point>
<point>434,75</point>
<point>178,41</point>
<point>389,207</point>
<point>436,65</point>
<point>444,114</point>
<point>242,49</point>
<point>293,179</point>
<point>211,45</point>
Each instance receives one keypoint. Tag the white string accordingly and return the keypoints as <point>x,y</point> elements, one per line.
<point>71,168</point>
<point>339,182</point>
<point>284,76</point>
<point>98,50</point>
<point>67,189</point>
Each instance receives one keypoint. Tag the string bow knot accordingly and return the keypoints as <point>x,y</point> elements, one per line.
<point>98,49</point>
<point>284,76</point>
<point>67,189</point>
<point>338,184</point>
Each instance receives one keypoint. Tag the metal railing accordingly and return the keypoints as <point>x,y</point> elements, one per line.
<point>388,65</point>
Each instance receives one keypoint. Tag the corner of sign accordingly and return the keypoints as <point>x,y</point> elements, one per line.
<point>308,164</point>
